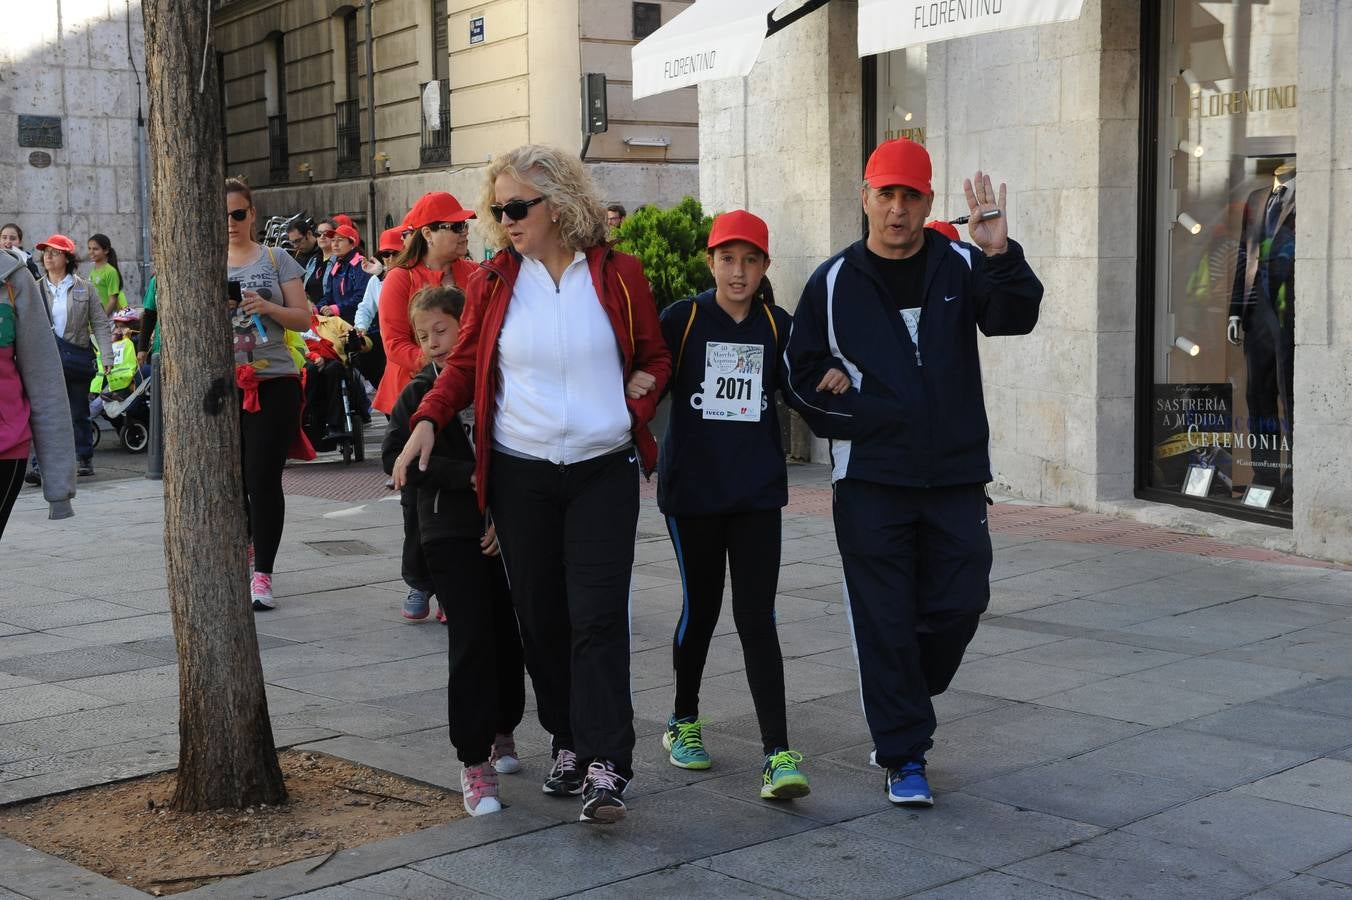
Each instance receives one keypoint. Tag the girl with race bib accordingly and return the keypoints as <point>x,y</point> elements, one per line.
<point>721,485</point>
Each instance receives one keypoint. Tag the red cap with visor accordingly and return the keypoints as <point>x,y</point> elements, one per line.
<point>899,162</point>
<point>740,225</point>
<point>438,206</point>
<point>58,242</point>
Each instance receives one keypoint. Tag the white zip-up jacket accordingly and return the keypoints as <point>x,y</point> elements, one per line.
<point>561,377</point>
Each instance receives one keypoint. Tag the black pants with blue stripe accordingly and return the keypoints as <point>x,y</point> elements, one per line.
<point>706,547</point>
<point>917,578</point>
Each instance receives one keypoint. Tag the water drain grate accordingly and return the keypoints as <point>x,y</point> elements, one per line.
<point>342,548</point>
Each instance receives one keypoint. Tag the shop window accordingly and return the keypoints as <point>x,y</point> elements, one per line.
<point>1221,358</point>
<point>899,105</point>
<point>647,19</point>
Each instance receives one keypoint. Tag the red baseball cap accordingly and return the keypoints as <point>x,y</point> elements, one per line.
<point>438,206</point>
<point>740,225</point>
<point>392,240</point>
<point>343,219</point>
<point>947,229</point>
<point>900,162</point>
<point>348,232</point>
<point>57,242</point>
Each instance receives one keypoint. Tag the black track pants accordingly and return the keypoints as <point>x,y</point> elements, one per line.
<point>749,544</point>
<point>917,578</point>
<point>486,692</point>
<point>567,536</point>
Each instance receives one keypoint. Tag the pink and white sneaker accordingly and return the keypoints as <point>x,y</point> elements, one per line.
<point>479,785</point>
<point>260,589</point>
<point>504,758</point>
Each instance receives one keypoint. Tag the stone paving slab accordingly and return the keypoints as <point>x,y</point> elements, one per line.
<point>833,861</point>
<point>36,876</point>
<point>1121,866</point>
<point>1241,826</point>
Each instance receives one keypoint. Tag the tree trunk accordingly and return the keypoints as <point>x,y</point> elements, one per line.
<point>226,755</point>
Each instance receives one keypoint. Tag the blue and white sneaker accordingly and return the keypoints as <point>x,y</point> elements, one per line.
<point>416,604</point>
<point>907,785</point>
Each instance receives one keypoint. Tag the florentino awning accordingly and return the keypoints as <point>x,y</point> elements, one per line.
<point>886,25</point>
<point>710,39</point>
<point>722,38</point>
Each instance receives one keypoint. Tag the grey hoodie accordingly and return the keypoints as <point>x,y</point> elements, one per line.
<point>44,382</point>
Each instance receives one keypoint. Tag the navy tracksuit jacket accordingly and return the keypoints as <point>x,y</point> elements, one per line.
<point>910,458</point>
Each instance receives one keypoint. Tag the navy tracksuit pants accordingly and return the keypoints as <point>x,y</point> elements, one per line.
<point>917,578</point>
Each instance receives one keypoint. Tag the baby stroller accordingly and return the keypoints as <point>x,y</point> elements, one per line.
<point>127,410</point>
<point>334,395</point>
<point>122,396</point>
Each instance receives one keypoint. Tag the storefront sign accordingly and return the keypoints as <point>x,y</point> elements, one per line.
<point>1190,424</point>
<point>476,30</point>
<point>911,134</point>
<point>892,24</point>
<point>1239,103</point>
<point>40,131</point>
<point>705,41</point>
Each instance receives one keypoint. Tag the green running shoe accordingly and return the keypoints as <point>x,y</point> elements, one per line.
<point>685,743</point>
<point>780,779</point>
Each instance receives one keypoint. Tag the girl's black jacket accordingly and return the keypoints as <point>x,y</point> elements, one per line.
<point>447,506</point>
<point>710,467</point>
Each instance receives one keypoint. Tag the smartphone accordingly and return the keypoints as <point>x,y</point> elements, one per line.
<point>234,293</point>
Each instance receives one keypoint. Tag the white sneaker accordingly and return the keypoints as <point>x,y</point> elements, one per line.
<point>260,589</point>
<point>479,786</point>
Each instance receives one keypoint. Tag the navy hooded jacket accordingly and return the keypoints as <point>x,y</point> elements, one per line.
<point>914,416</point>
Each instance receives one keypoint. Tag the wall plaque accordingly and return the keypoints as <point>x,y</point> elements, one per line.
<point>39,159</point>
<point>40,131</point>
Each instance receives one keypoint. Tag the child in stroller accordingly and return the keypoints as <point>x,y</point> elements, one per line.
<point>335,407</point>
<point>122,397</point>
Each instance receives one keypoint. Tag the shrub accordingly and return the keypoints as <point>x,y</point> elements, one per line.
<point>671,244</point>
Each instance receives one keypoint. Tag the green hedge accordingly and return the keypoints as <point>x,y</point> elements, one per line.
<point>671,244</point>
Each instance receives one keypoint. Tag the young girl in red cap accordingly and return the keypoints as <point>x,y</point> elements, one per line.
<point>722,484</point>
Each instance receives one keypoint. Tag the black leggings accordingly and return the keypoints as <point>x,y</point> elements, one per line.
<point>265,437</point>
<point>486,691</point>
<point>706,546</point>
<point>11,480</point>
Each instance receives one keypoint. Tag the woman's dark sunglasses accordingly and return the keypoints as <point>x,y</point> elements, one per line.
<point>239,215</point>
<point>516,210</point>
<point>456,227</point>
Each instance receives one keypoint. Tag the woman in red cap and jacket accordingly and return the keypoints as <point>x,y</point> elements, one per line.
<point>555,326</point>
<point>434,255</point>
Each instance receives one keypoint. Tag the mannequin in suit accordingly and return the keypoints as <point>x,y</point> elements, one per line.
<point>1262,310</point>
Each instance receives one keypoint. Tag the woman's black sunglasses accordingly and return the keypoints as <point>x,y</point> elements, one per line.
<point>516,210</point>
<point>239,215</point>
<point>457,227</point>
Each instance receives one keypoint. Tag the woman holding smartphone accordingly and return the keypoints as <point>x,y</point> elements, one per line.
<point>271,300</point>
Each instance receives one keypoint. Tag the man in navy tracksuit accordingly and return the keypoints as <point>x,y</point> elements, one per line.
<point>898,313</point>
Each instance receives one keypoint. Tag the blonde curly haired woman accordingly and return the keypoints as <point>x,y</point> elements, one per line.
<point>556,325</point>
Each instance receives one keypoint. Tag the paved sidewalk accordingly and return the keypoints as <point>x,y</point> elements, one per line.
<point>1142,714</point>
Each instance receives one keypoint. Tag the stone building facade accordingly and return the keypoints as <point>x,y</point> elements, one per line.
<point>1136,142</point>
<point>70,75</point>
<point>455,82</point>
